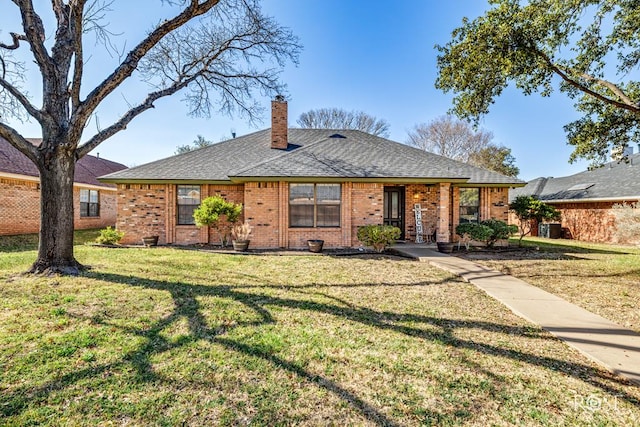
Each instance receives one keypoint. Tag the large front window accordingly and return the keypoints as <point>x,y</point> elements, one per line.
<point>89,203</point>
<point>188,201</point>
<point>314,205</point>
<point>469,205</point>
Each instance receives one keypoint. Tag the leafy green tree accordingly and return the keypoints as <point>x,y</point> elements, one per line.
<point>592,47</point>
<point>528,208</point>
<point>495,158</point>
<point>217,213</point>
<point>199,142</point>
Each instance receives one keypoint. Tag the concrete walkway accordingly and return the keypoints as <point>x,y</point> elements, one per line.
<point>606,343</point>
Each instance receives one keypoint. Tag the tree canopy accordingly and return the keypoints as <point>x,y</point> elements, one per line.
<point>589,50</point>
<point>528,208</point>
<point>199,142</point>
<point>217,53</point>
<point>495,158</point>
<point>336,118</point>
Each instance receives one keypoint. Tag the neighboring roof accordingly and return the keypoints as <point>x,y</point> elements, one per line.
<point>312,153</point>
<point>612,182</point>
<point>88,168</point>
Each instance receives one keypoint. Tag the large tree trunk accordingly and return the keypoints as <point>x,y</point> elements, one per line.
<point>55,250</point>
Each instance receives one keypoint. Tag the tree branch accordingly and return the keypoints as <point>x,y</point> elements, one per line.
<point>626,102</point>
<point>130,63</point>
<point>35,35</point>
<point>16,41</point>
<point>77,10</point>
<point>24,101</point>
<point>122,123</point>
<point>19,142</point>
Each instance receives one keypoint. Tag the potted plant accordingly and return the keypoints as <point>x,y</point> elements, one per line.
<point>240,234</point>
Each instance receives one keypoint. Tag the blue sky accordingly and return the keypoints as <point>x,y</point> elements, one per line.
<point>373,56</point>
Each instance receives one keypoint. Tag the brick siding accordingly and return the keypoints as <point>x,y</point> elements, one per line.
<point>588,222</point>
<point>142,211</point>
<point>150,210</point>
<point>20,207</point>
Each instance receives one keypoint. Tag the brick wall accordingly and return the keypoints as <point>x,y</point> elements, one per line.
<point>367,207</point>
<point>20,207</point>
<point>589,222</point>
<point>262,206</point>
<point>142,211</point>
<point>427,197</point>
<point>150,209</point>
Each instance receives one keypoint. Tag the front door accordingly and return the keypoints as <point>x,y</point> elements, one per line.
<point>394,208</point>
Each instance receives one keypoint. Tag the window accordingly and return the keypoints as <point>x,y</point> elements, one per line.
<point>89,203</point>
<point>188,201</point>
<point>314,205</point>
<point>469,205</point>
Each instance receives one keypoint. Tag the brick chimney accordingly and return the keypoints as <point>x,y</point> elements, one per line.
<point>279,123</point>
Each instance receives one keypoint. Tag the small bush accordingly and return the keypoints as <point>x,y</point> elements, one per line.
<point>378,236</point>
<point>476,231</point>
<point>501,230</point>
<point>488,231</point>
<point>109,236</point>
<point>219,214</point>
<point>627,222</point>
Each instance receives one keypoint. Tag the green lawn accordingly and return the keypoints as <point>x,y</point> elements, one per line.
<point>165,336</point>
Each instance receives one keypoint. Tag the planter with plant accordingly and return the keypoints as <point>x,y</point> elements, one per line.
<point>217,213</point>
<point>378,236</point>
<point>109,236</point>
<point>240,234</point>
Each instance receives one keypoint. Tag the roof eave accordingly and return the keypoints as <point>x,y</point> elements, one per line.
<point>163,181</point>
<point>592,200</point>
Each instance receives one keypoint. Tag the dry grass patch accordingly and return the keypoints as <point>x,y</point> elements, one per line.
<point>163,337</point>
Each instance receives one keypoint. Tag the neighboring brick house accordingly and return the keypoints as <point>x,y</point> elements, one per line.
<point>300,184</point>
<point>94,201</point>
<point>585,199</point>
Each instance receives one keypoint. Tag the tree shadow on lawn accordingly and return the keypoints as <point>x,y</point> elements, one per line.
<point>186,306</point>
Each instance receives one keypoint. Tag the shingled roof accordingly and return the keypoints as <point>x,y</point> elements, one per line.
<point>615,181</point>
<point>88,168</point>
<point>312,153</point>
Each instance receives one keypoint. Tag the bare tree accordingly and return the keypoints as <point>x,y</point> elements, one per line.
<point>217,52</point>
<point>449,137</point>
<point>336,118</point>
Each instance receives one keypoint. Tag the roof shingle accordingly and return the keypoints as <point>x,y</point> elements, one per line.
<point>613,181</point>
<point>312,153</point>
